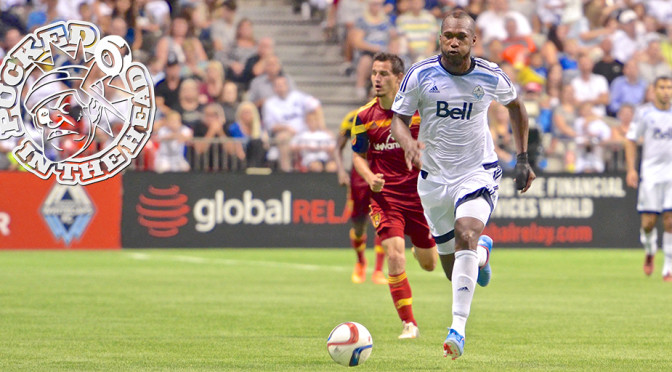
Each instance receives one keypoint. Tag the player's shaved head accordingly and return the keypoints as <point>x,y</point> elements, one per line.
<point>457,15</point>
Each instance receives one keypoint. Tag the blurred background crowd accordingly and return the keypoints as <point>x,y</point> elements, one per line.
<point>226,103</point>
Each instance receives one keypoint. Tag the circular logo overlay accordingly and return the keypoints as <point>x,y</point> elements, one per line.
<point>77,105</point>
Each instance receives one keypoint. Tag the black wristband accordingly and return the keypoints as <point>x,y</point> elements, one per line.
<point>522,158</point>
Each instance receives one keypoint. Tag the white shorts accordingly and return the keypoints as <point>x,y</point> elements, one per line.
<point>654,197</point>
<point>440,200</point>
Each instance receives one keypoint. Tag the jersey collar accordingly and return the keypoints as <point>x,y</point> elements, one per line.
<point>471,67</point>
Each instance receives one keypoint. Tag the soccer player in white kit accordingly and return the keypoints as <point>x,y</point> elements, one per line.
<point>653,123</point>
<point>459,172</point>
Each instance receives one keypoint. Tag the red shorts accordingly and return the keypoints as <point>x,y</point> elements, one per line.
<point>392,221</point>
<point>359,196</point>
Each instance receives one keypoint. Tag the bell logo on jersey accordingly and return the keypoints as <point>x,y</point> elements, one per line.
<point>662,134</point>
<point>464,112</point>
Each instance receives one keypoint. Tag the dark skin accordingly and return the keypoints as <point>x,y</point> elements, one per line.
<point>457,38</point>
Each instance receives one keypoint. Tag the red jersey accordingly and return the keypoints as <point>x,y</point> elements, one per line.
<point>371,134</point>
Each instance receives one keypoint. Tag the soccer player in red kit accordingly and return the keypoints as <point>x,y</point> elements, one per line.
<point>359,196</point>
<point>396,209</point>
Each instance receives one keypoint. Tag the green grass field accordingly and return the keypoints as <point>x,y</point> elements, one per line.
<point>272,310</point>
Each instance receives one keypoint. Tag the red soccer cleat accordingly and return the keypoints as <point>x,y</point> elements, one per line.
<point>667,277</point>
<point>359,273</point>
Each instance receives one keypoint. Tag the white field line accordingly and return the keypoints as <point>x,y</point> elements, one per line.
<point>232,262</point>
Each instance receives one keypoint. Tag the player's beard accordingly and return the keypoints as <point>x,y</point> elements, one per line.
<point>454,59</point>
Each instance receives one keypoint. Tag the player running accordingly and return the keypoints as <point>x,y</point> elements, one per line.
<point>653,123</point>
<point>359,196</point>
<point>459,171</point>
<point>396,210</point>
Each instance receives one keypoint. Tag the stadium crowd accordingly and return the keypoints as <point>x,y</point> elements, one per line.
<point>224,102</point>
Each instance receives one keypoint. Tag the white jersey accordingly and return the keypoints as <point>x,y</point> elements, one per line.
<point>454,110</point>
<point>655,126</point>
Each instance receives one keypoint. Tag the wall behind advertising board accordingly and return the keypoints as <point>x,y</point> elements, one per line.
<point>41,214</point>
<point>233,210</point>
<point>308,210</point>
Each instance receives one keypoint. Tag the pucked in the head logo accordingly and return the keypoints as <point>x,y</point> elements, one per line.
<point>83,109</point>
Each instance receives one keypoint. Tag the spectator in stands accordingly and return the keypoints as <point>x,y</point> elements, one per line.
<point>554,83</point>
<point>9,20</point>
<point>172,136</point>
<point>153,20</point>
<point>626,89</point>
<point>284,115</point>
<point>652,63</point>
<point>608,66</point>
<point>564,115</point>
<point>590,38</point>
<point>517,48</point>
<point>491,23</point>
<point>223,27</point>
<point>624,116</point>
<point>188,106</point>
<point>244,47</point>
<point>591,134</point>
<point>348,12</point>
<point>10,38</point>
<point>212,87</point>
<point>261,87</point>
<point>420,29</point>
<point>213,149</point>
<point>119,27</point>
<point>548,13</point>
<point>229,102</point>
<point>167,90</point>
<point>314,148</point>
<point>85,12</point>
<point>370,35</point>
<point>591,88</point>
<point>172,45</point>
<point>255,65</point>
<point>666,44</point>
<point>569,59</point>
<point>494,51</point>
<point>44,15</point>
<point>500,128</point>
<point>247,128</point>
<point>127,10</point>
<point>627,39</point>
<point>194,67</point>
<point>598,11</point>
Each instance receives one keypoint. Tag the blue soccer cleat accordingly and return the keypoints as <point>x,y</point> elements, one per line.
<point>454,345</point>
<point>484,273</point>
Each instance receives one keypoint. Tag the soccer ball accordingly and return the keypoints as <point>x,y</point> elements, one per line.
<point>350,344</point>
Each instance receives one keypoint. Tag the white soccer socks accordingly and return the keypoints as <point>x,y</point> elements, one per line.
<point>482,253</point>
<point>667,250</point>
<point>650,241</point>
<point>465,273</point>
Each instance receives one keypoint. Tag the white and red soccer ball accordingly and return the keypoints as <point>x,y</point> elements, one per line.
<point>350,344</point>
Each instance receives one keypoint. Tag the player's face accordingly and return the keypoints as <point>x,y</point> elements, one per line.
<point>663,91</point>
<point>457,38</point>
<point>384,81</point>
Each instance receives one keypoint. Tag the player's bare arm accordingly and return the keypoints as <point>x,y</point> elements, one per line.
<point>343,176</point>
<point>402,134</point>
<point>631,177</point>
<point>520,127</point>
<point>376,181</point>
